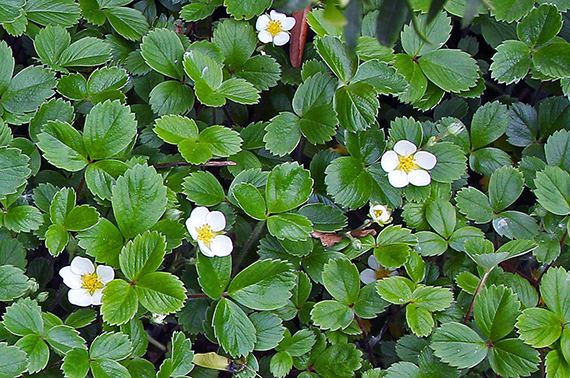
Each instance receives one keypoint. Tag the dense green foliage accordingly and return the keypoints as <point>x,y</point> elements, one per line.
<point>371,188</point>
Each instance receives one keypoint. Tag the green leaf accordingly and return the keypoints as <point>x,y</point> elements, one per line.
<point>161,292</point>
<point>23,218</point>
<point>15,169</point>
<point>325,218</point>
<point>81,218</point>
<point>6,58</point>
<point>24,318</point>
<point>510,10</point>
<point>171,97</point>
<point>214,274</point>
<point>74,87</point>
<point>163,51</point>
<point>432,298</point>
<point>104,368</point>
<point>109,129</point>
<point>340,59</point>
<point>556,366</point>
<point>511,62</point>
<point>37,351</point>
<point>396,290</point>
<point>357,106</point>
<point>142,255</point>
<point>434,34</point>
<point>474,204</point>
<point>11,10</point>
<point>458,345</point>
<point>539,327</point>
<point>85,52</point>
<point>489,122</point>
<point>139,200</point>
<point>289,226</point>
<point>557,149</point>
<point>200,9</point>
<point>13,361</point>
<point>81,318</point>
<point>540,25</point>
<point>419,320</point>
<point>203,188</point>
<point>45,12</point>
<point>120,302</point>
<point>28,90</point>
<point>451,162</point>
<point>233,329</point>
<point>495,311</point>
<point>112,346</point>
<point>236,40</point>
<point>281,364</point>
<point>288,186</point>
<point>369,303</point>
<point>341,279</point>
<point>76,363</point>
<point>384,78</point>
<point>103,241</point>
<point>331,314</point>
<point>174,129</point>
<point>554,291</point>
<point>513,358</point>
<point>63,146</point>
<point>441,217</point>
<point>487,160</point>
<point>417,81</point>
<point>269,330</point>
<point>102,175</point>
<point>63,338</point>
<point>180,361</point>
<point>50,43</point>
<point>552,188</point>
<point>553,59</point>
<point>56,239</point>
<point>250,200</point>
<point>13,283</point>
<point>264,285</point>
<point>262,71</point>
<point>451,70</point>
<point>128,22</point>
<point>430,244</point>
<point>348,182</point>
<point>505,187</point>
<point>246,9</point>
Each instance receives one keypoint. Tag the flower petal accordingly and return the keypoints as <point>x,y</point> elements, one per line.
<point>81,265</point>
<point>398,179</point>
<point>205,250</point>
<point>288,23</point>
<point>222,245</point>
<point>105,273</point>
<point>79,297</point>
<point>281,38</point>
<point>198,217</point>
<point>373,263</point>
<point>265,36</point>
<point>97,297</point>
<point>419,177</point>
<point>70,279</point>
<point>425,159</point>
<point>367,276</point>
<point>389,161</point>
<point>216,220</point>
<point>262,21</point>
<point>404,147</point>
<point>277,15</point>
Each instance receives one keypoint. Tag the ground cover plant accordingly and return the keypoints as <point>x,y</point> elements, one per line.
<point>284,188</point>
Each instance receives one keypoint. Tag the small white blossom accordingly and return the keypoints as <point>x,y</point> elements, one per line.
<point>86,282</point>
<point>158,318</point>
<point>380,214</point>
<point>274,28</point>
<point>406,165</point>
<point>206,227</point>
<point>374,272</point>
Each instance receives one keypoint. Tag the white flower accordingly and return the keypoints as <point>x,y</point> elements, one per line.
<point>158,318</point>
<point>274,28</point>
<point>375,272</point>
<point>86,282</point>
<point>206,228</point>
<point>380,214</point>
<point>406,165</point>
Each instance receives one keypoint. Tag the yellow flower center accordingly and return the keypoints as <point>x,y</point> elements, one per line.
<point>206,234</point>
<point>378,213</point>
<point>407,163</point>
<point>91,282</point>
<point>382,273</point>
<point>274,27</point>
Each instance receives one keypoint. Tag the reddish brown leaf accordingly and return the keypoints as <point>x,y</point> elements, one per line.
<point>299,37</point>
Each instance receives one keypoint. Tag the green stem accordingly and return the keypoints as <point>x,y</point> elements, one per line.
<point>253,238</point>
<point>477,291</point>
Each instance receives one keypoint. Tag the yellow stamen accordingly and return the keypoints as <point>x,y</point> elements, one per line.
<point>407,163</point>
<point>91,282</point>
<point>205,234</point>
<point>382,273</point>
<point>378,213</point>
<point>274,27</point>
